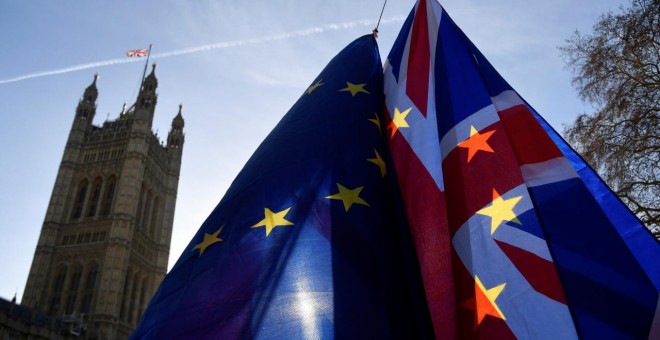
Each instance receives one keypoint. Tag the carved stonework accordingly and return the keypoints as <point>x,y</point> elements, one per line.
<point>100,251</point>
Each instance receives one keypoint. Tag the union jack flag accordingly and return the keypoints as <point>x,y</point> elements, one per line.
<point>516,236</point>
<point>137,53</point>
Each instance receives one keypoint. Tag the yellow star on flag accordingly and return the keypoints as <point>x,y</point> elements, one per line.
<point>380,162</point>
<point>484,301</point>
<point>500,210</point>
<point>348,196</point>
<point>476,142</point>
<point>376,121</point>
<point>354,88</point>
<point>398,121</point>
<point>313,87</point>
<point>209,239</point>
<point>272,220</point>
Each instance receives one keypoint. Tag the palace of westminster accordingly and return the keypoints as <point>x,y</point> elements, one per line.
<point>105,239</point>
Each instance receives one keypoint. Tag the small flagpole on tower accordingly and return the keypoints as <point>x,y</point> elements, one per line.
<point>144,73</point>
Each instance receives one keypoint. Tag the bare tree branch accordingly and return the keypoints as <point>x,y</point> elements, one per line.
<point>617,68</point>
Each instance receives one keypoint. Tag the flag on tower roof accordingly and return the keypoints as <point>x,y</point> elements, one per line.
<point>304,243</point>
<point>137,53</point>
<point>516,236</point>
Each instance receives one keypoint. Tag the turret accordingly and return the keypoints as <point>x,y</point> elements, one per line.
<point>105,239</point>
<point>87,105</point>
<point>146,102</point>
<point>175,137</point>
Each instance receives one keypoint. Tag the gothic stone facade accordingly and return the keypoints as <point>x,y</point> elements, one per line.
<point>105,240</point>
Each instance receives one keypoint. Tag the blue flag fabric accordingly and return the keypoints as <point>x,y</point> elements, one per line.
<point>607,260</point>
<point>304,243</point>
<point>539,247</point>
<point>491,226</point>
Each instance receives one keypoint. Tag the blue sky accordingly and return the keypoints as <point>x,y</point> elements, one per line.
<point>234,90</point>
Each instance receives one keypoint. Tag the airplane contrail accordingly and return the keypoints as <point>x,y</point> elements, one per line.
<point>209,47</point>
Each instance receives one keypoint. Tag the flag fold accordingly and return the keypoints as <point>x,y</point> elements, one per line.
<point>303,244</point>
<point>516,236</point>
<point>424,200</point>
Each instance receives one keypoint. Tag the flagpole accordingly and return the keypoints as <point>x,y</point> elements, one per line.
<point>144,73</point>
<point>380,17</point>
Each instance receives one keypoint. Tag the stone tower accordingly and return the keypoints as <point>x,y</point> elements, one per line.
<point>105,240</point>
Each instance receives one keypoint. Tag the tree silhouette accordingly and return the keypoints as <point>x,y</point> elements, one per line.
<point>617,69</point>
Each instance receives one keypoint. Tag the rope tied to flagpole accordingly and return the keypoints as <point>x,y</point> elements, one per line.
<point>380,17</point>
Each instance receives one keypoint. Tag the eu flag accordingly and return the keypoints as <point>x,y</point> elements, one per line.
<point>516,236</point>
<point>303,244</point>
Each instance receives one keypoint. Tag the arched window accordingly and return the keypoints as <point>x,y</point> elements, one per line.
<point>147,211</point>
<point>74,285</point>
<point>131,302</point>
<point>94,198</point>
<point>143,297</point>
<point>90,287</point>
<point>109,194</point>
<point>146,102</point>
<point>57,287</point>
<point>154,217</point>
<point>140,208</point>
<point>125,295</point>
<point>81,193</point>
